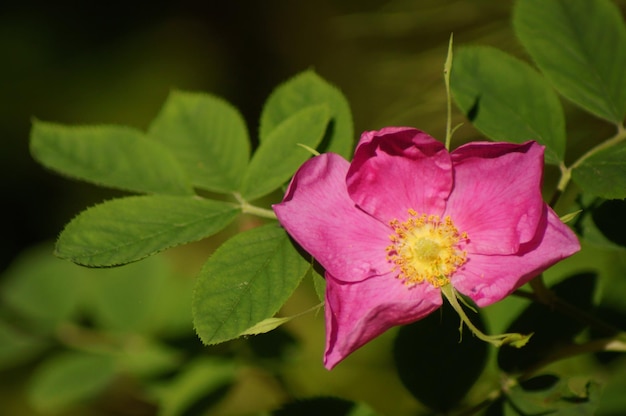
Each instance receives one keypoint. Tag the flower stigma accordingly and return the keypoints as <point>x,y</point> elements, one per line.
<point>426,248</point>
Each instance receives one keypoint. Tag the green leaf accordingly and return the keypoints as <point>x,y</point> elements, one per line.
<point>580,45</point>
<point>507,100</point>
<point>114,156</point>
<point>279,155</point>
<point>302,91</point>
<point>246,280</point>
<point>124,230</point>
<point>550,328</point>
<point>547,394</point>
<point>70,378</point>
<point>431,362</point>
<point>320,285</point>
<point>197,380</point>
<point>266,325</point>
<point>207,135</point>
<point>604,173</point>
<point>31,288</point>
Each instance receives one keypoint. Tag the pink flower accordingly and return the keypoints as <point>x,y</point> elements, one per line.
<point>407,217</point>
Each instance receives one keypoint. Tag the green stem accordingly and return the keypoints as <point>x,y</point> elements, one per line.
<point>566,172</point>
<point>247,208</point>
<point>447,68</point>
<point>515,340</point>
<point>616,343</point>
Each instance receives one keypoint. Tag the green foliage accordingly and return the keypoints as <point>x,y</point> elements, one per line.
<point>208,137</point>
<point>547,394</point>
<point>304,90</point>
<point>244,282</point>
<point>115,156</point>
<point>580,46</point>
<point>279,155</point>
<point>551,329</point>
<point>124,230</point>
<point>604,173</point>
<point>507,100</point>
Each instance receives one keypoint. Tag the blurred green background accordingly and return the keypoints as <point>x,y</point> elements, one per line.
<point>115,62</point>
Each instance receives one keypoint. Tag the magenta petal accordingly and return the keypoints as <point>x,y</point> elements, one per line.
<point>396,169</point>
<point>358,312</point>
<point>497,198</point>
<point>487,279</point>
<point>318,213</point>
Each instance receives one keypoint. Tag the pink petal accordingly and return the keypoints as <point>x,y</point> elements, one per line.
<point>318,213</point>
<point>396,169</point>
<point>497,194</point>
<point>489,278</point>
<point>358,312</point>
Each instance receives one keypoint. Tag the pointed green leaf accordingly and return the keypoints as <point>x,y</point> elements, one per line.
<point>70,378</point>
<point>302,91</point>
<point>207,135</point>
<point>114,156</point>
<point>433,365</point>
<point>507,100</point>
<point>246,280</point>
<point>279,155</point>
<point>266,325</point>
<point>604,173</point>
<point>580,45</point>
<point>124,230</point>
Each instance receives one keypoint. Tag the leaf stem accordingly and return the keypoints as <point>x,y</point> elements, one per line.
<point>248,208</point>
<point>566,172</point>
<point>447,68</point>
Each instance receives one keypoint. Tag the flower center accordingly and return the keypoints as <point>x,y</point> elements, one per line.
<point>426,248</point>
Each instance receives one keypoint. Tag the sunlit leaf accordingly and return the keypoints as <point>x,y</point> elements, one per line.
<point>244,282</point>
<point>431,362</point>
<point>207,135</point>
<point>70,378</point>
<point>604,173</point>
<point>302,91</point>
<point>507,100</point>
<point>113,156</point>
<point>124,230</point>
<point>279,155</point>
<point>580,45</point>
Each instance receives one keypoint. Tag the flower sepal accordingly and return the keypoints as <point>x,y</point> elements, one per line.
<point>513,339</point>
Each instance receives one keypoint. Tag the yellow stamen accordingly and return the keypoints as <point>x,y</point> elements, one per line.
<point>425,248</point>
